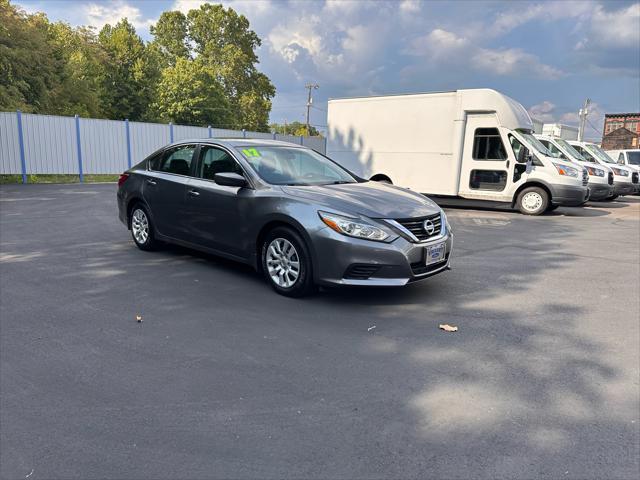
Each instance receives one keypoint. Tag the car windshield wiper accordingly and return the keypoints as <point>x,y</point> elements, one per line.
<point>340,182</point>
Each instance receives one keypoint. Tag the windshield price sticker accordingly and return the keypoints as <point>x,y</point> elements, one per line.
<point>251,152</point>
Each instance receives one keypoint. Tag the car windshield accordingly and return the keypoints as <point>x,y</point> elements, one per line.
<point>568,148</point>
<point>634,158</point>
<point>294,166</point>
<point>597,152</point>
<point>535,143</point>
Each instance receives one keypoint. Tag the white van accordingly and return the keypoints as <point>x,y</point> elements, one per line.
<point>475,145</point>
<point>624,180</point>
<point>629,158</point>
<point>600,176</point>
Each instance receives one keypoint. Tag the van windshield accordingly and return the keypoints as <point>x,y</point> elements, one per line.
<point>535,143</point>
<point>633,158</point>
<point>570,150</point>
<point>599,153</point>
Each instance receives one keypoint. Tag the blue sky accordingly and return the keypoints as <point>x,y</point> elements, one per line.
<point>549,56</point>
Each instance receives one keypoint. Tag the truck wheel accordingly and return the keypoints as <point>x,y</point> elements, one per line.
<point>533,201</point>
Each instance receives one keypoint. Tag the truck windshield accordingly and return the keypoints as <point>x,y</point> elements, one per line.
<point>568,148</point>
<point>294,166</point>
<point>634,158</point>
<point>535,143</point>
<point>598,152</point>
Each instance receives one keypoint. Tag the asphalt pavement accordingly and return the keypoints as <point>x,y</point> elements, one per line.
<point>223,378</point>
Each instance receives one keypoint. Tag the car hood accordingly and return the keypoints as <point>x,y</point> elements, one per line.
<point>371,199</point>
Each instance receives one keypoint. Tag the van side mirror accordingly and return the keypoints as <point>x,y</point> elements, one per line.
<point>524,156</point>
<point>229,179</point>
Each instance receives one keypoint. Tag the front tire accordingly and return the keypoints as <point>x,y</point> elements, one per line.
<point>533,201</point>
<point>141,228</point>
<point>286,263</point>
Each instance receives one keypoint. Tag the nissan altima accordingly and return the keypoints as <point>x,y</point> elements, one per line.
<point>290,212</point>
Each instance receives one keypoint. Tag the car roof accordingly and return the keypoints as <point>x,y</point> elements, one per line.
<point>237,142</point>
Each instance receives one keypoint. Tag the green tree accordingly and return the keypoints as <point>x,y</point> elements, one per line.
<point>28,65</point>
<point>129,76</point>
<point>189,93</point>
<point>170,37</point>
<point>223,40</point>
<point>294,128</point>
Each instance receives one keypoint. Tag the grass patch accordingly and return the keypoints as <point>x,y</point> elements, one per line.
<point>9,179</point>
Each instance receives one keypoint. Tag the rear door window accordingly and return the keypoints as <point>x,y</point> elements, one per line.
<point>175,160</point>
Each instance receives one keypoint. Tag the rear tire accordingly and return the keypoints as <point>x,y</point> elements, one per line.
<point>533,201</point>
<point>142,228</point>
<point>286,263</point>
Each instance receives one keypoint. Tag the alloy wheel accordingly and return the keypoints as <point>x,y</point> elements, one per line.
<point>283,262</point>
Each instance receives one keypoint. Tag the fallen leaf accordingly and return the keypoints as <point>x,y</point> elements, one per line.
<point>371,328</point>
<point>447,328</point>
<point>139,318</point>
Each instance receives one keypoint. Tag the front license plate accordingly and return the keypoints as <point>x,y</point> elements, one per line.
<point>435,253</point>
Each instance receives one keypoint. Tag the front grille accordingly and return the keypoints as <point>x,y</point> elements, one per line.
<point>416,226</point>
<point>634,177</point>
<point>610,178</point>
<point>420,268</point>
<point>360,271</point>
<point>585,176</point>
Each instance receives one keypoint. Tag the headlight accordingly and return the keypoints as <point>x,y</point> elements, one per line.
<point>595,172</point>
<point>620,172</point>
<point>568,171</point>
<point>353,227</point>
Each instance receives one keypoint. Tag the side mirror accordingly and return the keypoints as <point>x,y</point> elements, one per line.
<point>229,179</point>
<point>523,155</point>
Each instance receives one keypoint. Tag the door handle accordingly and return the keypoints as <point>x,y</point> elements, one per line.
<point>151,182</point>
<point>194,193</point>
<point>508,163</point>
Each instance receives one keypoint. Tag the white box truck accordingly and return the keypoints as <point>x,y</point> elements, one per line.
<point>466,144</point>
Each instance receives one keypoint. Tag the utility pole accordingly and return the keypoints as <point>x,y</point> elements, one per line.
<point>582,115</point>
<point>310,86</point>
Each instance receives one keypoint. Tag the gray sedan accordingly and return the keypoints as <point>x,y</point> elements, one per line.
<point>288,211</point>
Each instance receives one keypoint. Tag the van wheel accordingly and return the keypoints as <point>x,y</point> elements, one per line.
<point>286,263</point>
<point>533,201</point>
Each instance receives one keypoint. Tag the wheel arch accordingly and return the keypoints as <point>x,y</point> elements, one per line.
<point>381,177</point>
<point>535,183</point>
<point>132,202</point>
<point>281,221</point>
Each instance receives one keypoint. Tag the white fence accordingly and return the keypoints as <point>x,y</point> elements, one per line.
<point>48,144</point>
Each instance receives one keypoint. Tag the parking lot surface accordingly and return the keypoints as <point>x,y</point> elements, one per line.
<point>225,379</point>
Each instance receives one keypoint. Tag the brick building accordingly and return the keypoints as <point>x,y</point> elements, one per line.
<point>621,130</point>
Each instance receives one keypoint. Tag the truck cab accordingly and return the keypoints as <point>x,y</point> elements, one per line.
<point>600,176</point>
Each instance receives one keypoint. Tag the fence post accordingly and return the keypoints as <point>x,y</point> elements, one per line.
<point>244,133</point>
<point>81,174</point>
<point>23,162</point>
<point>170,132</point>
<point>209,130</point>
<point>126,126</point>
<point>301,139</point>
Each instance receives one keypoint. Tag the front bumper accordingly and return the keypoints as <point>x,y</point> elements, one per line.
<point>624,188</point>
<point>569,195</point>
<point>377,264</point>
<point>600,191</point>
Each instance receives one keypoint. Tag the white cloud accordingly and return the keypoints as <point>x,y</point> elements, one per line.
<point>99,14</point>
<point>543,111</point>
<point>442,46</point>
<point>618,28</point>
<point>410,6</point>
